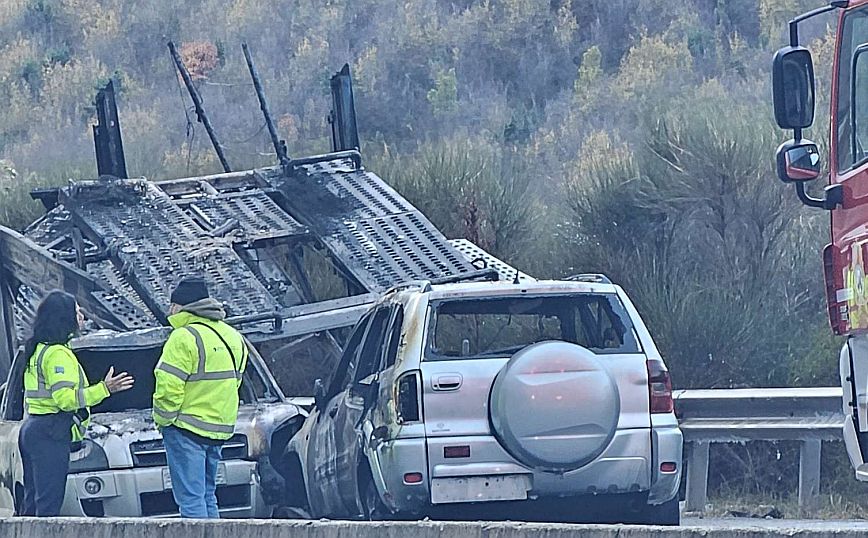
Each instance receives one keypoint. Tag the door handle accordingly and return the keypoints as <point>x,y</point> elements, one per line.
<point>447,382</point>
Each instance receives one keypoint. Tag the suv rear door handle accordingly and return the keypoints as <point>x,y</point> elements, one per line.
<point>447,382</point>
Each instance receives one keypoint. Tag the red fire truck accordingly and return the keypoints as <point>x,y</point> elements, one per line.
<point>845,259</point>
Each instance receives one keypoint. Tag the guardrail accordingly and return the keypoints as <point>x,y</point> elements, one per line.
<point>808,415</point>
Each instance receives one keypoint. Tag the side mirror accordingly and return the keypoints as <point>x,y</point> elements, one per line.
<point>793,86</point>
<point>319,394</point>
<point>798,161</point>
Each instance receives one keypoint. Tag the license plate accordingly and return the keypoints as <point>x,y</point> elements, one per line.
<point>221,476</point>
<point>479,489</point>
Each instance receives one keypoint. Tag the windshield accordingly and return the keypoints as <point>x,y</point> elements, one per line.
<point>852,110</point>
<point>140,363</point>
<point>482,328</point>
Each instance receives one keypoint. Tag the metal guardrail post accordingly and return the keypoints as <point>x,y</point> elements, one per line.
<point>809,475</point>
<point>697,476</point>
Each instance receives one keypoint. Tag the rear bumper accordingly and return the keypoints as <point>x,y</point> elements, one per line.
<point>141,492</point>
<point>624,467</point>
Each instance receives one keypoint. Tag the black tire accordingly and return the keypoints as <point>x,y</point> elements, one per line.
<point>667,514</point>
<point>375,510</point>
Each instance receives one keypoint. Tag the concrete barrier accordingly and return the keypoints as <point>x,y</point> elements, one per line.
<point>151,528</point>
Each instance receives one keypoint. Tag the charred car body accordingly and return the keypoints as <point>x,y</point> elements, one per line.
<point>297,252</point>
<point>546,393</point>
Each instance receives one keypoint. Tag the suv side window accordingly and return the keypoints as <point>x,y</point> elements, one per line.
<point>347,365</point>
<point>372,349</point>
<point>393,338</point>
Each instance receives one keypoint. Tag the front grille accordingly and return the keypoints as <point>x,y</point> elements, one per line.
<point>153,453</point>
<point>162,503</point>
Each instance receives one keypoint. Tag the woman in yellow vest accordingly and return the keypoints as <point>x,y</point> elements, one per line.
<point>57,398</point>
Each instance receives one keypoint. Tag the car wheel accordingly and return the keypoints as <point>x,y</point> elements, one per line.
<point>375,510</point>
<point>668,513</point>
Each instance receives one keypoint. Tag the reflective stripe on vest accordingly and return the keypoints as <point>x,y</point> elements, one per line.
<point>201,374</point>
<point>166,414</point>
<point>41,391</point>
<point>82,401</point>
<point>206,426</point>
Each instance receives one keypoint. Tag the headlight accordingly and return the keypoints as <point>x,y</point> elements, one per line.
<point>90,457</point>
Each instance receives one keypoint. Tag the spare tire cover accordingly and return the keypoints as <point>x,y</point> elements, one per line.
<point>554,407</point>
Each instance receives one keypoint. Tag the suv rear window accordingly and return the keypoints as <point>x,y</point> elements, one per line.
<point>483,328</point>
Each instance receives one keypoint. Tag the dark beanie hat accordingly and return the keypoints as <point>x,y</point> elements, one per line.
<point>189,290</point>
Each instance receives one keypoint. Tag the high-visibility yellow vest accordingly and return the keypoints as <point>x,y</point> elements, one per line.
<point>197,381</point>
<point>55,382</point>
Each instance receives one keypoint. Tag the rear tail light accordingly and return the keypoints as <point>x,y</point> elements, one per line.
<point>407,398</point>
<point>413,478</point>
<point>659,387</point>
<point>668,467</point>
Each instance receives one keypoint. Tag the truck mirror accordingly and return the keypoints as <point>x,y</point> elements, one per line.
<point>793,86</point>
<point>798,161</point>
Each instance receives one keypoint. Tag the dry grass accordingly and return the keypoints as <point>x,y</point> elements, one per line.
<point>830,506</point>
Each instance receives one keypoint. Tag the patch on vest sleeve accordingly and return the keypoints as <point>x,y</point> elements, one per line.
<point>58,369</point>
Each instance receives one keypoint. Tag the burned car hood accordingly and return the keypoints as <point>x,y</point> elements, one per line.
<point>115,432</point>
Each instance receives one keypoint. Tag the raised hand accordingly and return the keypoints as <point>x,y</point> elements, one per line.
<point>118,383</point>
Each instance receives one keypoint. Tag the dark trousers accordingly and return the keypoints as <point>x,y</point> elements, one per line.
<point>44,444</point>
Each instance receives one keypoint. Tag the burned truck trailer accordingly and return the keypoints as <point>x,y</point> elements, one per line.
<point>291,251</point>
<point>297,252</point>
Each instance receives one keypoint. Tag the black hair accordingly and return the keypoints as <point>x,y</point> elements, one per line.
<point>55,321</point>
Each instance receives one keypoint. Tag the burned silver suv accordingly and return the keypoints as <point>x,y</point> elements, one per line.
<point>530,394</point>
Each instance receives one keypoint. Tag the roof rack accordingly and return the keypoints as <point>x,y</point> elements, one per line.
<point>590,277</point>
<point>425,286</point>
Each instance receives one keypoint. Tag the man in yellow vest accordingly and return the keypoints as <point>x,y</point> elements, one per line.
<point>196,394</point>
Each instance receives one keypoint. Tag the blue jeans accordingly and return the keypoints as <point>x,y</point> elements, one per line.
<point>193,468</point>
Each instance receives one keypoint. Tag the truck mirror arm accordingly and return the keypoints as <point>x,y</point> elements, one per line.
<point>833,197</point>
<point>794,24</point>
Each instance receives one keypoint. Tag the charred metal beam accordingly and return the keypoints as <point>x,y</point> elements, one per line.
<point>246,179</point>
<point>48,197</point>
<point>31,265</point>
<point>305,319</point>
<point>8,337</point>
<point>351,154</point>
<point>279,145</point>
<point>78,247</point>
<point>197,102</point>
<point>107,140</point>
<point>345,134</point>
